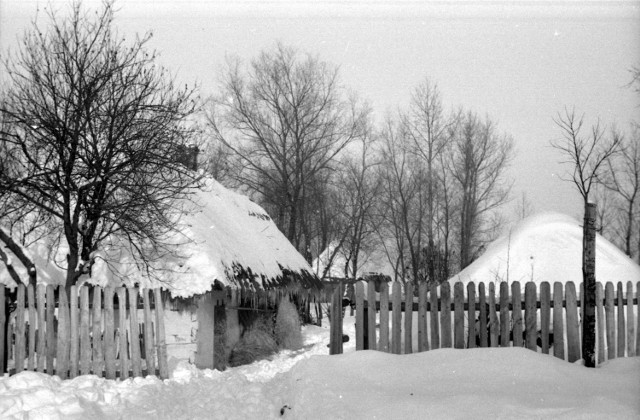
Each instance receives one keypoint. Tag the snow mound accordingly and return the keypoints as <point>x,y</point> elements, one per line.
<point>547,247</point>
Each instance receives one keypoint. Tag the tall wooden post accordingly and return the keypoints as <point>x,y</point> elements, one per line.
<point>589,279</point>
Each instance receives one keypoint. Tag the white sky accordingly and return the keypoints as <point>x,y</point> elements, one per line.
<point>519,62</point>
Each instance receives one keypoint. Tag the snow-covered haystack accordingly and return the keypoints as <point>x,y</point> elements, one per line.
<point>223,237</point>
<point>547,247</point>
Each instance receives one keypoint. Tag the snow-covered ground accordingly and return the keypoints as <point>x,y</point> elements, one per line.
<point>309,384</point>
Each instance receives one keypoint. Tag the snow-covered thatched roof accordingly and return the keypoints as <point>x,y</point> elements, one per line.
<point>225,239</point>
<point>547,247</point>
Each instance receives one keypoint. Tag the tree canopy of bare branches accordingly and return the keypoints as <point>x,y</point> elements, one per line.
<point>92,129</point>
<point>286,118</point>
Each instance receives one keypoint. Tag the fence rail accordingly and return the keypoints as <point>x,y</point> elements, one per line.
<point>108,332</point>
<point>544,319</point>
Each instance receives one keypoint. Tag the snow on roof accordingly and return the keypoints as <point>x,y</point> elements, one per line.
<point>225,238</point>
<point>547,247</point>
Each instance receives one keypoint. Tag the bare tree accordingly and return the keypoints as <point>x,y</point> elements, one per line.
<point>94,130</point>
<point>286,117</point>
<point>478,160</point>
<point>588,156</point>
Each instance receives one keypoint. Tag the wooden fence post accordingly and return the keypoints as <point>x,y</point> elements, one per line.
<point>3,322</point>
<point>384,317</point>
<point>573,325</point>
<point>371,313</point>
<point>631,348</point>
<point>359,315</point>
<point>621,326</point>
<point>51,333</point>
<point>530,315</point>
<point>32,326</point>
<point>63,334</point>
<point>494,326</point>
<point>423,342</point>
<point>148,333</point>
<point>558,321</point>
<point>516,314</point>
<point>600,322</point>
<point>458,315</point>
<point>434,318</point>
<point>41,347</point>
<point>160,337</point>
<point>505,320</point>
<point>134,334</point>
<point>471,315</point>
<point>109,335</point>
<point>408,318</point>
<point>20,331</point>
<point>96,333</point>
<point>75,337</point>
<point>610,320</point>
<point>122,332</point>
<point>545,315</point>
<point>85,331</point>
<point>396,333</point>
<point>482,300</point>
<point>445,315</point>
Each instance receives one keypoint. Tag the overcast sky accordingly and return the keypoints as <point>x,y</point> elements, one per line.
<point>520,63</point>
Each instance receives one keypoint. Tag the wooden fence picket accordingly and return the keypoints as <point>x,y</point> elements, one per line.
<point>148,332</point>
<point>434,317</point>
<point>573,325</point>
<point>41,348</point>
<point>122,332</point>
<point>51,332</point>
<point>483,324</point>
<point>109,335</point>
<point>423,342</point>
<point>408,318</point>
<point>631,348</point>
<point>74,350</point>
<point>458,316</point>
<point>600,322</point>
<point>359,315</point>
<point>384,317</point>
<point>97,362</point>
<point>396,334</point>
<point>610,320</point>
<point>20,331</point>
<point>530,316</point>
<point>31,303</point>
<point>471,315</point>
<point>134,337</point>
<point>85,334</point>
<point>494,325</point>
<point>516,314</point>
<point>161,343</point>
<point>545,315</point>
<point>371,320</point>
<point>505,320</point>
<point>558,321</point>
<point>621,324</point>
<point>445,315</point>
<point>63,334</point>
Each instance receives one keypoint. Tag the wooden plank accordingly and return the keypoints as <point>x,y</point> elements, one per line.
<point>621,333</point>
<point>545,315</point>
<point>64,334</point>
<point>484,317</point>
<point>396,333</point>
<point>134,338</point>
<point>109,335</point>
<point>41,348</point>
<point>423,342</point>
<point>148,331</point>
<point>434,318</point>
<point>20,343</point>
<point>31,304</point>
<point>122,332</point>
<point>631,336</point>
<point>516,314</point>
<point>573,324</point>
<point>558,321</point>
<point>445,315</point>
<point>3,322</point>
<point>530,315</point>
<point>610,320</point>
<point>505,321</point>
<point>51,333</point>
<point>85,332</point>
<point>494,325</point>
<point>638,320</point>
<point>600,322</point>
<point>359,316</point>
<point>383,345</point>
<point>74,350</point>
<point>371,313</point>
<point>458,315</point>
<point>471,315</point>
<point>97,357</point>
<point>408,318</point>
<point>161,342</point>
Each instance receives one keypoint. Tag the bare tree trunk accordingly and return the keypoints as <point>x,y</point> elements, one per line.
<point>589,278</point>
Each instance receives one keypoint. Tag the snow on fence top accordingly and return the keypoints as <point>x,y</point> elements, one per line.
<point>225,238</point>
